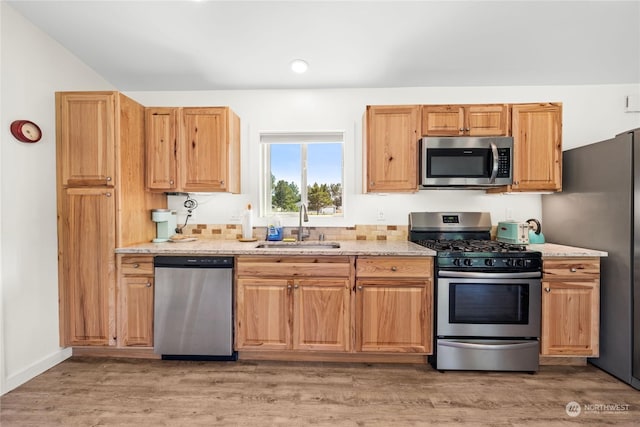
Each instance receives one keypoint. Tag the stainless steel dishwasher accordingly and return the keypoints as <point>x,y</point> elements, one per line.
<point>193,303</point>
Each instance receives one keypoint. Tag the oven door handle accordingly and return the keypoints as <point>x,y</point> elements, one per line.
<point>495,163</point>
<point>479,275</point>
<point>497,346</point>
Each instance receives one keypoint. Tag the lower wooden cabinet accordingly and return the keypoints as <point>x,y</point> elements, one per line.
<point>334,304</point>
<point>303,309</point>
<point>393,316</point>
<point>87,266</point>
<point>394,299</point>
<point>135,301</point>
<point>570,307</point>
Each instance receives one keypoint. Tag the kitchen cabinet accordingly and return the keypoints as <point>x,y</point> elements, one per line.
<point>135,301</point>
<point>293,303</point>
<point>391,148</point>
<point>87,266</point>
<point>102,204</point>
<point>570,307</point>
<point>537,146</point>
<point>192,149</point>
<point>86,133</point>
<point>394,300</point>
<point>465,120</point>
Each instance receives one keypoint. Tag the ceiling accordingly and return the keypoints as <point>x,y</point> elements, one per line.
<point>212,45</point>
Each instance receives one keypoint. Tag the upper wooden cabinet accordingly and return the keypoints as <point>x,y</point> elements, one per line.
<point>86,132</point>
<point>192,149</point>
<point>465,120</point>
<point>537,146</point>
<point>391,136</point>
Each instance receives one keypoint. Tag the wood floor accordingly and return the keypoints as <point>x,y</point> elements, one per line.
<point>86,391</point>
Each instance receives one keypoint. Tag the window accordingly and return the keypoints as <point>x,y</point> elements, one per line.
<point>305,167</point>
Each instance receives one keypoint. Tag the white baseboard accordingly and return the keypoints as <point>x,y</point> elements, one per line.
<point>19,378</point>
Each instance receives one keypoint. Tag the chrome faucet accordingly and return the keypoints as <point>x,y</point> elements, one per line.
<point>301,232</point>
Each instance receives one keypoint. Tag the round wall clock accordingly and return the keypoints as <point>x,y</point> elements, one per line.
<point>26,131</point>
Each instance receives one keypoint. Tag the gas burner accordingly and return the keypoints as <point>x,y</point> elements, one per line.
<point>471,246</point>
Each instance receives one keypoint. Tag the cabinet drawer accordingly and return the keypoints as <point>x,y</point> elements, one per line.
<point>137,266</point>
<point>296,266</point>
<point>572,268</point>
<point>394,267</point>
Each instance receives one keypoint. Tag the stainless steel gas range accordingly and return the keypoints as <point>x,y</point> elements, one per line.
<point>487,294</point>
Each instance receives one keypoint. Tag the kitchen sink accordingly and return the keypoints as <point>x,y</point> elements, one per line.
<point>298,245</point>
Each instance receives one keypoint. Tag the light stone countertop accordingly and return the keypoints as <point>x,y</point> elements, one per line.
<point>235,247</point>
<point>554,250</point>
<point>347,247</point>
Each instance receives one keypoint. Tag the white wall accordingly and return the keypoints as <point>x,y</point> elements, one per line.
<point>33,67</point>
<point>591,113</point>
<point>28,242</point>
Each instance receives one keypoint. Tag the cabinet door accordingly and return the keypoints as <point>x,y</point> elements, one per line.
<point>161,149</point>
<point>136,311</point>
<point>394,316</point>
<point>443,120</point>
<point>487,120</point>
<point>263,314</point>
<point>87,267</point>
<point>570,318</point>
<point>204,149</point>
<point>391,148</point>
<point>320,314</point>
<point>537,139</point>
<point>86,138</point>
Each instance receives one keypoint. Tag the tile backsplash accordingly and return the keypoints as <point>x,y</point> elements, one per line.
<point>358,232</point>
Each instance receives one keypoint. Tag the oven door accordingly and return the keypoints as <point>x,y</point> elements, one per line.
<point>468,161</point>
<point>488,305</point>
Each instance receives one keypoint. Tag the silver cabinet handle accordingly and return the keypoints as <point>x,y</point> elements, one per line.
<point>360,287</point>
<point>136,265</point>
<point>171,182</point>
<point>573,269</point>
<point>296,286</point>
<point>496,161</point>
<point>547,290</point>
<point>148,284</point>
<point>222,182</point>
<point>108,178</point>
<point>394,268</point>
<point>107,194</point>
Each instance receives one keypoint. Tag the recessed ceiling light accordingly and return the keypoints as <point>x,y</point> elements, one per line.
<point>299,66</point>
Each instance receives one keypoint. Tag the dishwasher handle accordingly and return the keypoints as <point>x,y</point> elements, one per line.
<point>193,262</point>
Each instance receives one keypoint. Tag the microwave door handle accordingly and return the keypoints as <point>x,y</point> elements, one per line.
<point>494,170</point>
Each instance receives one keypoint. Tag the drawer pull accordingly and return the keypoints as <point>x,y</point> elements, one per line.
<point>573,269</point>
<point>394,268</point>
<point>136,265</point>
<point>547,290</point>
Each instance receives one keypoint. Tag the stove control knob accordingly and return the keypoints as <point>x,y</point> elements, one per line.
<point>468,262</point>
<point>457,262</point>
<point>508,262</point>
<point>520,263</point>
<point>489,262</point>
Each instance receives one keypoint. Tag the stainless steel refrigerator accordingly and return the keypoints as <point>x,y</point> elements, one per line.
<point>599,208</point>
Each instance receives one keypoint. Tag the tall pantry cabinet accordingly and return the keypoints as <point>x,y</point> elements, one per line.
<point>100,189</point>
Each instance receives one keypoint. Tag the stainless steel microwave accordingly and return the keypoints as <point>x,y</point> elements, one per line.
<point>465,162</point>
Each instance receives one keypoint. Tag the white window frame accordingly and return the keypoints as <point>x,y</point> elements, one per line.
<point>303,138</point>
